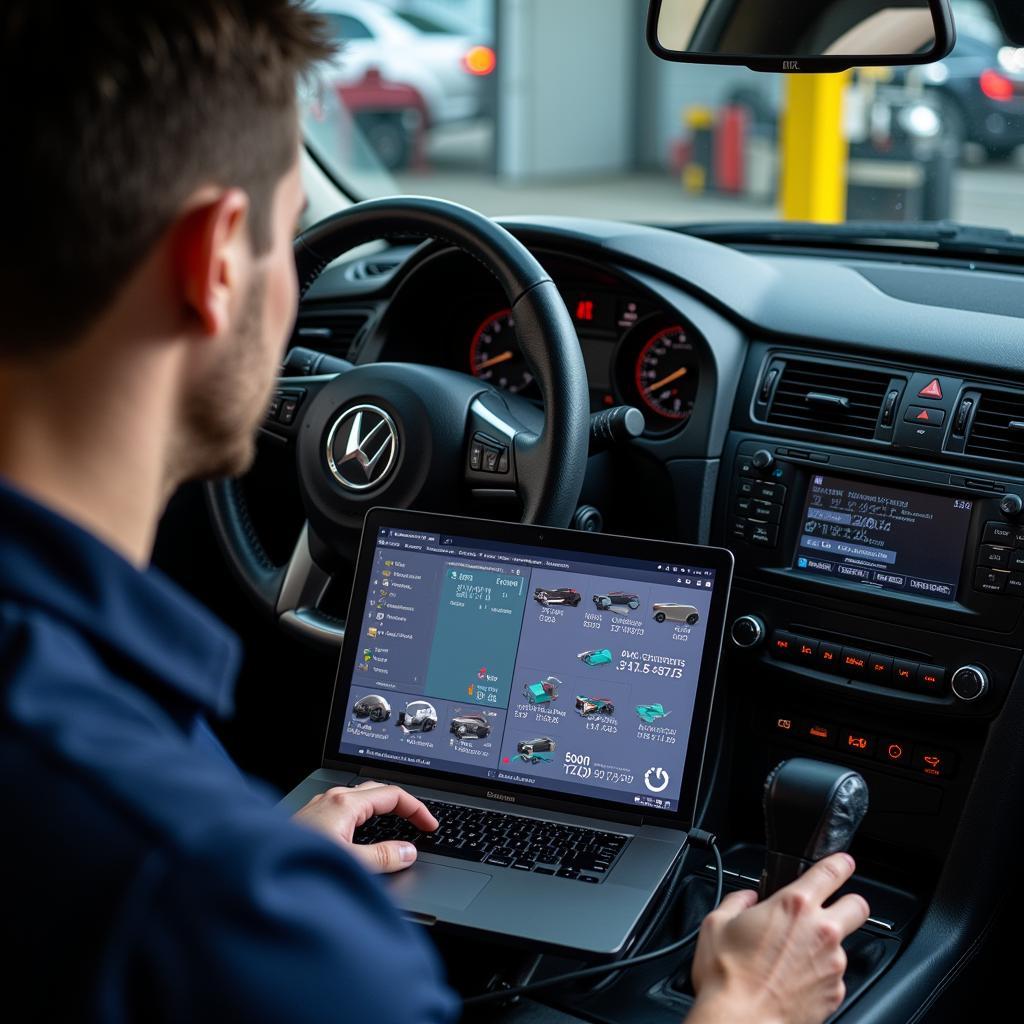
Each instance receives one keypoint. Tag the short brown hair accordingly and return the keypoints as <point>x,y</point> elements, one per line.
<point>112,114</point>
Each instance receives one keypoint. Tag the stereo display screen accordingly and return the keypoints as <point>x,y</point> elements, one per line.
<point>901,540</point>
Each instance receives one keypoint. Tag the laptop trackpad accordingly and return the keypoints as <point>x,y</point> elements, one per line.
<point>428,884</point>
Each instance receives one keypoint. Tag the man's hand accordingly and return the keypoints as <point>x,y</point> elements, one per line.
<point>779,962</point>
<point>340,811</point>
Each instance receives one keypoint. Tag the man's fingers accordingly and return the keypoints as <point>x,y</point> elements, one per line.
<point>383,799</point>
<point>735,903</point>
<point>384,858</point>
<point>822,879</point>
<point>849,912</point>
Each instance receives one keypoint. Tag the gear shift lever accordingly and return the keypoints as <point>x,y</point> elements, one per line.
<point>811,809</point>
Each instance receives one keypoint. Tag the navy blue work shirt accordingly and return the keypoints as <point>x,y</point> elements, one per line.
<point>144,878</point>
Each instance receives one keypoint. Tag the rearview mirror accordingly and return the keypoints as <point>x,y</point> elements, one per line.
<point>801,35</point>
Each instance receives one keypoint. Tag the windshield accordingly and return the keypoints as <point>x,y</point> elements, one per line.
<point>559,108</point>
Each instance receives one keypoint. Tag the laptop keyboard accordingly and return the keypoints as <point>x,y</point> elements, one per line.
<point>505,841</point>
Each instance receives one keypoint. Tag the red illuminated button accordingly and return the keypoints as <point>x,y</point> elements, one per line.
<point>904,674</point>
<point>805,650</point>
<point>929,417</point>
<point>931,678</point>
<point>893,752</point>
<point>783,645</point>
<point>854,662</point>
<point>818,732</point>
<point>784,723</point>
<point>857,742</point>
<point>829,656</point>
<point>932,390</point>
<point>880,669</point>
<point>933,761</point>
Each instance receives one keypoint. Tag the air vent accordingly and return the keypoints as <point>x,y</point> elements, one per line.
<point>998,428</point>
<point>378,266</point>
<point>329,330</point>
<point>842,400</point>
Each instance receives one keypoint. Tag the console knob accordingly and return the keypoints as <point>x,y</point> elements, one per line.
<point>969,682</point>
<point>762,459</point>
<point>747,631</point>
<point>1011,505</point>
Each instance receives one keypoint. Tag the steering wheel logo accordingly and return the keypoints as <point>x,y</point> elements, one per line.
<point>361,447</point>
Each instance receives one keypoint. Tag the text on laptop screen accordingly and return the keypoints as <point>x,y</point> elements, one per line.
<point>572,672</point>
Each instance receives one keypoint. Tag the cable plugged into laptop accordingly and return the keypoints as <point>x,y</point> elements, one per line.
<point>695,837</point>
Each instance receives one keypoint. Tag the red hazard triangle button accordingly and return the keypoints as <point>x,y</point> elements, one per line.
<point>933,390</point>
<point>922,415</point>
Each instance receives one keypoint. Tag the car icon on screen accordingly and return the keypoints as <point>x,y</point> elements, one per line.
<point>471,727</point>
<point>672,612</point>
<point>616,599</point>
<point>543,691</point>
<point>594,706</point>
<point>599,656</point>
<point>557,595</point>
<point>373,707</point>
<point>418,716</point>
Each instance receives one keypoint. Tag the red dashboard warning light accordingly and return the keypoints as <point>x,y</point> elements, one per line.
<point>932,390</point>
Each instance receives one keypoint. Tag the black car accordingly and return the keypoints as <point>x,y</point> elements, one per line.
<point>373,707</point>
<point>471,726</point>
<point>616,598</point>
<point>557,595</point>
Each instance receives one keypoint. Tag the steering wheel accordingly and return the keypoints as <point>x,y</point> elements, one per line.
<point>414,436</point>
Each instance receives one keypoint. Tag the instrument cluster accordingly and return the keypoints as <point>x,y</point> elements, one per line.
<point>635,352</point>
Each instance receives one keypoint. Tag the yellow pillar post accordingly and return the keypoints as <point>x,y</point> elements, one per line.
<point>813,149</point>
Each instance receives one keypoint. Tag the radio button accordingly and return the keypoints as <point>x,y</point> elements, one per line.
<point>782,644</point>
<point>992,581</point>
<point>904,673</point>
<point>738,529</point>
<point>999,533</point>
<point>829,656</point>
<point>893,751</point>
<point>769,512</point>
<point>769,492</point>
<point>745,488</point>
<point>856,742</point>
<point>880,669</point>
<point>931,678</point>
<point>854,662</point>
<point>742,506</point>
<point>997,558</point>
<point>761,533</point>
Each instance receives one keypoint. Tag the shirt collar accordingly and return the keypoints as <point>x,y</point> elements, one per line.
<point>143,617</point>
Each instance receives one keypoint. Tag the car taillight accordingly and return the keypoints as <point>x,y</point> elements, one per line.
<point>479,60</point>
<point>995,86</point>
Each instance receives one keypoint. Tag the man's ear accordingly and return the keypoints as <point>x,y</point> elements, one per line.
<point>212,248</point>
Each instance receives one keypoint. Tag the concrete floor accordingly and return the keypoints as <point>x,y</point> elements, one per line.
<point>989,194</point>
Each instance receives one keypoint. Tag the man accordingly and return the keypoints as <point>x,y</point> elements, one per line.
<point>146,290</point>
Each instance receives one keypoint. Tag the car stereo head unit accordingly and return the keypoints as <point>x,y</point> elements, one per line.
<point>856,525</point>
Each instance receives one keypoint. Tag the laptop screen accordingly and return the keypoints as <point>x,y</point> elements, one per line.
<point>566,670</point>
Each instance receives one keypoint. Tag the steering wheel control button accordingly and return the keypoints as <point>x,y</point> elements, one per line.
<point>854,662</point>
<point>362,447</point>
<point>747,631</point>
<point>931,679</point>
<point>880,669</point>
<point>893,751</point>
<point>854,741</point>
<point>1011,505</point>
<point>999,533</point>
<point>933,761</point>
<point>487,455</point>
<point>829,657</point>
<point>783,645</point>
<point>991,581</point>
<point>969,682</point>
<point>921,416</point>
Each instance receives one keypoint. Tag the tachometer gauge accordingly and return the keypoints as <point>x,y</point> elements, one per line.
<point>495,356</point>
<point>666,375</point>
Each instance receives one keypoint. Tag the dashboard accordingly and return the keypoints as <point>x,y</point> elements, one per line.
<point>851,427</point>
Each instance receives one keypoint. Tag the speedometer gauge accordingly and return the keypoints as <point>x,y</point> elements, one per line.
<point>666,374</point>
<point>495,356</point>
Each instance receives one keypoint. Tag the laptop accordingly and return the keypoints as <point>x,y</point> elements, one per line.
<point>547,693</point>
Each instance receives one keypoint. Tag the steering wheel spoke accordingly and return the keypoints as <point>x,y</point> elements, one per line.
<point>291,396</point>
<point>303,586</point>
